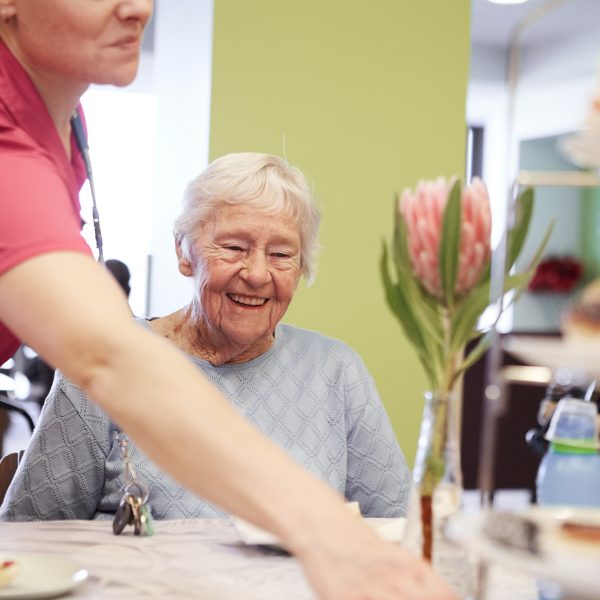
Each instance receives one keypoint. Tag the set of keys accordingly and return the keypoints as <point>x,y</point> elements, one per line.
<point>133,507</point>
<point>134,510</point>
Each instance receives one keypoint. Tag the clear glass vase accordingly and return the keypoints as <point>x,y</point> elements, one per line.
<point>436,493</point>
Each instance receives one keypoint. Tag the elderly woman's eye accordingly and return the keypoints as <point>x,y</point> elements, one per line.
<point>280,255</point>
<point>235,248</point>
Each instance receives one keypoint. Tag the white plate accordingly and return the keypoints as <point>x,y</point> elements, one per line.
<point>556,353</point>
<point>388,529</point>
<point>42,576</point>
<point>499,538</point>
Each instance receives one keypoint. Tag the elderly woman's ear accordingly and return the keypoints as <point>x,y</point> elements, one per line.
<point>185,265</point>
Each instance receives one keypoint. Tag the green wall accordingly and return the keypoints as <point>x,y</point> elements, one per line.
<point>366,97</point>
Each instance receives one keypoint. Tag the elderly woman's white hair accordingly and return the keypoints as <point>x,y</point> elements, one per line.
<point>262,181</point>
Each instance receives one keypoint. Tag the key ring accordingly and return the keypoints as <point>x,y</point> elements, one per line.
<point>133,508</point>
<point>123,441</point>
<point>142,491</point>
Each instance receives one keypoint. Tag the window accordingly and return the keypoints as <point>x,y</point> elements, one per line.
<point>122,137</point>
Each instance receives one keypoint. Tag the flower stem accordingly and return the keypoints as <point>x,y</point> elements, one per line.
<point>427,524</point>
<point>436,461</point>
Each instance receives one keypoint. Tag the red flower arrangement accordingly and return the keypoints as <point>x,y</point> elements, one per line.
<point>557,275</point>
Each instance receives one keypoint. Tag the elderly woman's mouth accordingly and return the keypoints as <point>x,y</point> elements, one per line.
<point>247,300</point>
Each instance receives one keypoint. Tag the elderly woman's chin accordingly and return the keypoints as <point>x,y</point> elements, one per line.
<point>250,339</point>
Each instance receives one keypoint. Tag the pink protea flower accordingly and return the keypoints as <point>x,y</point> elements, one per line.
<point>423,214</point>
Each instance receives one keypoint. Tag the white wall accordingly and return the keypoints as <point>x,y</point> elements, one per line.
<point>122,133</point>
<point>182,84</point>
<point>554,95</point>
<point>486,107</point>
<point>146,142</point>
<point>541,311</point>
<point>563,59</point>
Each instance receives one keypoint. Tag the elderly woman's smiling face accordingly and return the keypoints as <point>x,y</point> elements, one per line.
<point>246,268</point>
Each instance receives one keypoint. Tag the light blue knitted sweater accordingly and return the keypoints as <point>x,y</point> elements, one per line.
<point>312,395</point>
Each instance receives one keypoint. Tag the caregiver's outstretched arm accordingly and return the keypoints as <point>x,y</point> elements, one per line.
<point>55,298</point>
<point>72,312</point>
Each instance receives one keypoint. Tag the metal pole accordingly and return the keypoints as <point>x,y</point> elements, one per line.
<point>495,388</point>
<point>494,391</point>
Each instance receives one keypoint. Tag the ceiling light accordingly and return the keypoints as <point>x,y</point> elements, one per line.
<point>507,1</point>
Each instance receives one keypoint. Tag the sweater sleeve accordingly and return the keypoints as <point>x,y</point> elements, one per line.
<point>378,476</point>
<point>62,471</point>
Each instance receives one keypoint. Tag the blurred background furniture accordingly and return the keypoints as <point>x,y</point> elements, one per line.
<point>8,468</point>
<point>516,464</point>
<point>25,381</point>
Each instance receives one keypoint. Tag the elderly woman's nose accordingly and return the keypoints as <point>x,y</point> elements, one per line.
<point>256,269</point>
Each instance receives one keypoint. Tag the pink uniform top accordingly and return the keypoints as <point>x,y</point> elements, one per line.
<point>39,186</point>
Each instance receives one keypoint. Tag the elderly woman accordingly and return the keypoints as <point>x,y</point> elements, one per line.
<point>247,232</point>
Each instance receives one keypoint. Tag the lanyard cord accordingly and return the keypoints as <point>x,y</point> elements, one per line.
<point>82,144</point>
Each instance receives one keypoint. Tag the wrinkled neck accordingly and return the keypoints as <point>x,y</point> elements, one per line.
<point>188,329</point>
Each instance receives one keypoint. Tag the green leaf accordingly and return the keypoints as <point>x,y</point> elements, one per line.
<point>406,300</point>
<point>398,302</point>
<point>537,257</point>
<point>401,256</point>
<point>477,352</point>
<point>450,243</point>
<point>518,234</point>
<point>465,318</point>
<point>464,321</point>
<point>522,279</point>
<point>391,295</point>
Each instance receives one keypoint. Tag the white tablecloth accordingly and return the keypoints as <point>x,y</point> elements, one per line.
<point>186,559</point>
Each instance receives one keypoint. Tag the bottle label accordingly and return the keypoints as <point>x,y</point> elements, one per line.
<point>574,447</point>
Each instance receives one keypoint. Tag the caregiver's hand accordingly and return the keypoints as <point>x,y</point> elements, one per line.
<point>361,566</point>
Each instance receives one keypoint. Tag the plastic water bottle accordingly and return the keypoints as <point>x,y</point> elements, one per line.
<point>569,473</point>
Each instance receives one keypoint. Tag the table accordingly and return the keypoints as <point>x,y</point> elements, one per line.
<point>201,558</point>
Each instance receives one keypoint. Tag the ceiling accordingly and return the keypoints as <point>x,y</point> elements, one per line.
<point>492,24</point>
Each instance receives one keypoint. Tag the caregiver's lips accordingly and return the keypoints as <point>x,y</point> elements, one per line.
<point>127,42</point>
